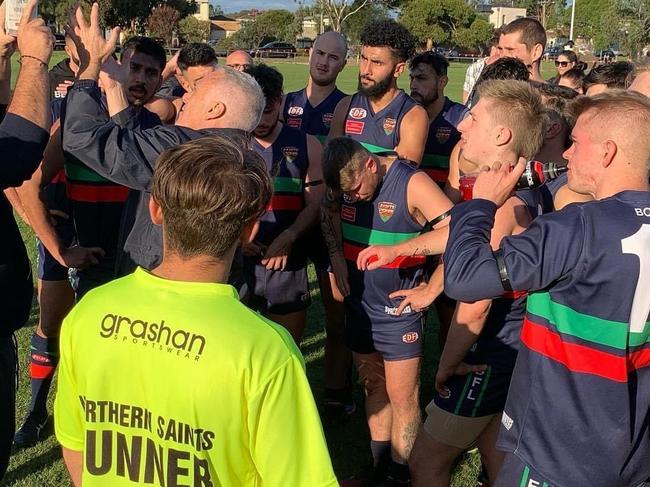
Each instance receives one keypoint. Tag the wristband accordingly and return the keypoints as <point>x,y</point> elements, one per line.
<point>20,61</point>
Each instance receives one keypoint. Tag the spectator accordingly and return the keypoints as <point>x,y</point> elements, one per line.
<point>525,40</point>
<point>476,68</point>
<point>239,60</point>
<point>607,76</point>
<point>565,61</point>
<point>641,81</point>
<point>574,79</point>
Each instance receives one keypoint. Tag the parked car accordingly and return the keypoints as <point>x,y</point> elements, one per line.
<point>275,49</point>
<point>59,42</point>
<point>552,53</point>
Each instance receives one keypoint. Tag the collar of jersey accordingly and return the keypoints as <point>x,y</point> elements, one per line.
<point>194,287</point>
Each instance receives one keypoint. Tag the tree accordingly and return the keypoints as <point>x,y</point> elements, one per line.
<point>436,21</point>
<point>215,10</point>
<point>476,36</point>
<point>354,24</point>
<point>338,11</point>
<point>268,26</point>
<point>162,23</point>
<point>194,30</point>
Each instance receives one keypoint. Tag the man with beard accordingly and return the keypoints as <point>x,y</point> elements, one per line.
<point>275,266</point>
<point>380,115</point>
<point>127,155</point>
<point>311,110</point>
<point>428,82</point>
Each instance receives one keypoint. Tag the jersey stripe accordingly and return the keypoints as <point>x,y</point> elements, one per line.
<point>435,161</point>
<point>351,252</point>
<point>375,149</point>
<point>585,327</point>
<point>285,202</point>
<point>581,358</point>
<point>287,185</point>
<point>367,236</point>
<point>83,174</point>
<point>438,175</point>
<point>97,194</point>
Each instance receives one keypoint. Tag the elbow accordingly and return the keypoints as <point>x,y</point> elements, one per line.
<point>460,286</point>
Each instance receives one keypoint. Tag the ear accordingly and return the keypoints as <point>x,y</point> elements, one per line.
<point>399,69</point>
<point>538,51</point>
<point>155,211</point>
<point>442,82</point>
<point>249,231</point>
<point>503,135</point>
<point>554,129</point>
<point>217,110</point>
<point>610,151</point>
<point>371,165</point>
<point>183,82</point>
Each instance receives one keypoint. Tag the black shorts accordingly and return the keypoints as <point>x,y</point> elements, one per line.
<point>400,338</point>
<point>277,292</point>
<point>316,249</point>
<point>476,394</point>
<point>48,268</point>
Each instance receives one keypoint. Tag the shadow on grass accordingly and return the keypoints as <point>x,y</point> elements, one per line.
<point>40,462</point>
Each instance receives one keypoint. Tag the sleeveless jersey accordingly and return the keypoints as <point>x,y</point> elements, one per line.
<point>289,162</point>
<point>443,137</point>
<point>383,221</point>
<point>300,114</point>
<point>378,132</point>
<point>54,193</point>
<point>578,405</point>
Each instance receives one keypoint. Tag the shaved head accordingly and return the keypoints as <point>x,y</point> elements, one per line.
<point>332,42</point>
<point>239,60</point>
<point>328,58</point>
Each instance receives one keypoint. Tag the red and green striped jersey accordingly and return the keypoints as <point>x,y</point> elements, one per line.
<point>443,137</point>
<point>378,132</point>
<point>385,220</point>
<point>578,409</point>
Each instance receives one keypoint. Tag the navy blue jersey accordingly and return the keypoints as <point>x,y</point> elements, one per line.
<point>383,221</point>
<point>378,132</point>
<point>578,409</point>
<point>443,137</point>
<point>300,114</point>
<point>289,161</point>
<point>54,193</point>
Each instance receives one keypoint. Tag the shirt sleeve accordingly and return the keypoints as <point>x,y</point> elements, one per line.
<point>286,437</point>
<point>68,412</point>
<point>547,251</point>
<point>21,144</point>
<point>125,154</point>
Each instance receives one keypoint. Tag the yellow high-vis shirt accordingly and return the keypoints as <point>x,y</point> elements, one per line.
<point>170,383</point>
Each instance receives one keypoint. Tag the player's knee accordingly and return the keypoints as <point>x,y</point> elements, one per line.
<point>423,462</point>
<point>372,378</point>
<point>402,395</point>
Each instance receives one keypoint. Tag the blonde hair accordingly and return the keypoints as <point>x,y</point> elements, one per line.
<point>343,160</point>
<point>519,107</point>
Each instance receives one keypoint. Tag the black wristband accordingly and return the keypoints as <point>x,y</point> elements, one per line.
<point>503,271</point>
<point>430,224</point>
<point>316,182</point>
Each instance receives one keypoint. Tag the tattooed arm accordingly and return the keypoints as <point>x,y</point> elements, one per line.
<point>331,228</point>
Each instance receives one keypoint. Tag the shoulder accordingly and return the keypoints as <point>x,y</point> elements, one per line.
<point>416,115</point>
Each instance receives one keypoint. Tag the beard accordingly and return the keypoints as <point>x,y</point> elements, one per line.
<point>262,134</point>
<point>428,100</point>
<point>378,89</point>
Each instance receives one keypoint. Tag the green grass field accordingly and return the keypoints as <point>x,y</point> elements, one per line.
<point>42,465</point>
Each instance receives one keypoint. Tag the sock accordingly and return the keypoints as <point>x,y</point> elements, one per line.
<point>399,473</point>
<point>380,451</point>
<point>44,358</point>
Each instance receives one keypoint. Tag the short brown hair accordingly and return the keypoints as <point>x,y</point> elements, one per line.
<point>625,115</point>
<point>531,30</point>
<point>519,107</point>
<point>343,159</point>
<point>208,190</point>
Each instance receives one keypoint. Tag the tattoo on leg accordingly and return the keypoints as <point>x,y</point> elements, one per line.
<point>409,435</point>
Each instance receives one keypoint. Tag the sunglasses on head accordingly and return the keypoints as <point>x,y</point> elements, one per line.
<point>563,64</point>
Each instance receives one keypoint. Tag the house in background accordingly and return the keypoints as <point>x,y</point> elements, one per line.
<point>500,15</point>
<point>222,27</point>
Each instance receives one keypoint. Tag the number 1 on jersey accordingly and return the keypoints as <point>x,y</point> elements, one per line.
<point>639,245</point>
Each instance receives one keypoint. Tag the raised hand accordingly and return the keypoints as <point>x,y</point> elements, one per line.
<point>35,39</point>
<point>497,183</point>
<point>7,42</point>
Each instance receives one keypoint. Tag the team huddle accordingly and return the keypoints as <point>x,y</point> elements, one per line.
<point>179,203</point>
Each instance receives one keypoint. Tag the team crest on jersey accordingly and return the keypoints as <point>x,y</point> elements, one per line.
<point>386,210</point>
<point>347,198</point>
<point>410,337</point>
<point>295,111</point>
<point>327,119</point>
<point>443,134</point>
<point>295,123</point>
<point>348,213</point>
<point>389,126</point>
<point>358,113</point>
<point>290,153</point>
<point>354,127</point>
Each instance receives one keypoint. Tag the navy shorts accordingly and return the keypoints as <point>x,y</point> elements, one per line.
<point>48,268</point>
<point>316,249</point>
<point>400,338</point>
<point>476,394</point>
<point>277,292</point>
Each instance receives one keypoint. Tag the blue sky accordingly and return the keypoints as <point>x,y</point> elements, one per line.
<point>237,5</point>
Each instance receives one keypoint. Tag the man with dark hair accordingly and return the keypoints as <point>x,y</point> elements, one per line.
<point>276,263</point>
<point>140,343</point>
<point>23,136</point>
<point>524,39</point>
<point>368,191</point>
<point>428,72</point>
<point>502,68</point>
<point>607,76</point>
<point>62,74</point>
<point>380,115</point>
<point>312,110</point>
<point>583,366</point>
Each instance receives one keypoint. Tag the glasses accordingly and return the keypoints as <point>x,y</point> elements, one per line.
<point>562,64</point>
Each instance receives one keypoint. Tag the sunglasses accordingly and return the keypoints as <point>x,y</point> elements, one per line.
<point>562,64</point>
